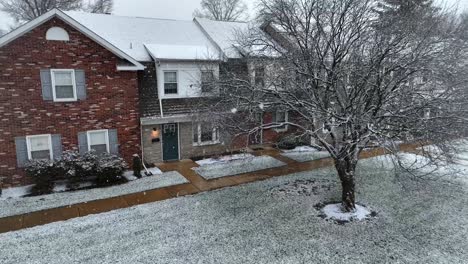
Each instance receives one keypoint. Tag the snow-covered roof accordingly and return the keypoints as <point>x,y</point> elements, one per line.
<point>182,52</point>
<point>130,34</point>
<point>238,39</point>
<point>224,34</point>
<point>20,31</point>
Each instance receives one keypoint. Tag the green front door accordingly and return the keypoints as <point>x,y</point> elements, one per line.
<point>170,139</point>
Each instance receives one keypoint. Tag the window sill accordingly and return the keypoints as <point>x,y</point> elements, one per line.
<point>66,101</point>
<point>209,143</point>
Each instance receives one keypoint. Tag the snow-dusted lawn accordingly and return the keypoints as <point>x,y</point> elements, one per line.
<point>16,206</point>
<point>237,166</point>
<point>226,158</point>
<point>266,222</point>
<point>305,153</point>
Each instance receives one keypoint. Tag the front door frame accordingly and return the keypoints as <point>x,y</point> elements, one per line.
<point>178,141</point>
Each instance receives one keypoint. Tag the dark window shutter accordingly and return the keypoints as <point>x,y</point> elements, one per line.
<point>80,84</point>
<point>21,151</point>
<point>57,148</point>
<point>82,142</point>
<point>113,142</point>
<point>46,83</point>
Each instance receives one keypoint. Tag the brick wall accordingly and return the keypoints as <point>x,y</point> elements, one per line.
<point>112,96</point>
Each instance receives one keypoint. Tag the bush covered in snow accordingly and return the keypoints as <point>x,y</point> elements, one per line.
<point>43,173</point>
<point>110,170</point>
<point>76,168</point>
<point>291,141</point>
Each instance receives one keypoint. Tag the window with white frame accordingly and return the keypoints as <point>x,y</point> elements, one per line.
<point>98,141</point>
<point>170,82</point>
<point>207,79</point>
<point>39,147</point>
<point>63,85</point>
<point>281,117</point>
<point>205,133</point>
<point>260,76</point>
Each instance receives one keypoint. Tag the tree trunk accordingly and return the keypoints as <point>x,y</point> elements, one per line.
<point>346,169</point>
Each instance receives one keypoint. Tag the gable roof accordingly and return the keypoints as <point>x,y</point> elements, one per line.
<point>78,26</point>
<point>131,34</point>
<point>224,34</point>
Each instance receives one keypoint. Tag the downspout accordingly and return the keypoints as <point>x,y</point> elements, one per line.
<point>161,112</point>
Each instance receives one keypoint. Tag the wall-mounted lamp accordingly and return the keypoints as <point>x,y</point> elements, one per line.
<point>155,135</point>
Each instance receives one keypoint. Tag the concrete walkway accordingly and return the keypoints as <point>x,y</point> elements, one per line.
<point>197,184</point>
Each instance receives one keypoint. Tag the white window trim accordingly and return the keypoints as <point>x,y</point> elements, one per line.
<point>286,119</point>
<point>201,81</point>
<point>52,75</point>
<point>164,83</point>
<point>206,143</point>
<point>28,144</point>
<point>98,131</point>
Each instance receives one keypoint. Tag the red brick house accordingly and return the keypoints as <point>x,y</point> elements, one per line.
<point>122,85</point>
<point>64,87</point>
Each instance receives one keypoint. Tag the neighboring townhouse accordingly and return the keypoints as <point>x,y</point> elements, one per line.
<point>123,85</point>
<point>62,86</point>
<point>228,38</point>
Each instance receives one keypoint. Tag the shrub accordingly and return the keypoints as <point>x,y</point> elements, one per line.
<point>292,141</point>
<point>78,168</point>
<point>43,173</point>
<point>110,170</point>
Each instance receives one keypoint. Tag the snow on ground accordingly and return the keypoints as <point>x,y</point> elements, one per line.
<point>224,159</point>
<point>335,212</point>
<point>301,149</point>
<point>234,167</point>
<point>129,174</point>
<point>18,206</point>
<point>305,153</point>
<point>420,164</point>
<point>417,222</point>
<point>15,192</point>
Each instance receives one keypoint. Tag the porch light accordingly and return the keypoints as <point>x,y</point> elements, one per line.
<point>155,135</point>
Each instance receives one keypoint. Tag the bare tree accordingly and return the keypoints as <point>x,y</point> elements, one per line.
<point>100,6</point>
<point>347,81</point>
<point>26,10</point>
<point>222,10</point>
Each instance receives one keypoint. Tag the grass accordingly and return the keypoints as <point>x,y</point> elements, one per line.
<point>417,222</point>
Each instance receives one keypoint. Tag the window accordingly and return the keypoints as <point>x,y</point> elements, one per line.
<point>57,33</point>
<point>281,117</point>
<point>98,141</point>
<point>260,76</point>
<point>170,82</point>
<point>39,147</point>
<point>207,78</point>
<point>63,85</point>
<point>205,133</point>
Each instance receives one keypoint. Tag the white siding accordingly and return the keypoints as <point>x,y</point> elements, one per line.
<point>189,77</point>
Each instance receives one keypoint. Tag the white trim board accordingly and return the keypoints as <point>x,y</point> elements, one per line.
<point>75,24</point>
